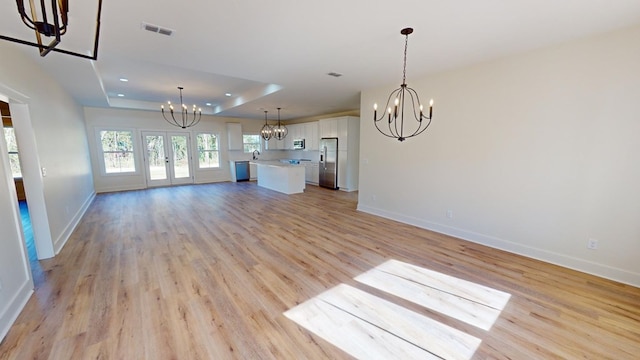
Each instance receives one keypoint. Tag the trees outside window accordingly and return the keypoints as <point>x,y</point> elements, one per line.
<point>117,151</point>
<point>250,143</point>
<point>208,151</point>
<point>12,145</point>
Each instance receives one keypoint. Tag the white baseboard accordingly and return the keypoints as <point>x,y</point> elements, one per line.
<point>570,262</point>
<point>11,311</point>
<point>68,230</point>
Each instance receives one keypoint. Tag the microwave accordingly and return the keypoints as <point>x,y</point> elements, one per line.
<point>298,144</point>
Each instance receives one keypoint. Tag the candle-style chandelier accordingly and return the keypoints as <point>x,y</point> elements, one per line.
<point>395,118</point>
<point>267,130</point>
<point>186,120</point>
<point>280,131</point>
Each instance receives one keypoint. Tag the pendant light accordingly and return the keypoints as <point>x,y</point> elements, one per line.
<point>280,131</point>
<point>394,124</point>
<point>267,130</point>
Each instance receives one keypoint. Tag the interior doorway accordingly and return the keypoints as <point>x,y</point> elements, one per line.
<point>16,170</point>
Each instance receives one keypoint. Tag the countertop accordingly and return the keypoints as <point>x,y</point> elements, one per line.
<point>279,163</point>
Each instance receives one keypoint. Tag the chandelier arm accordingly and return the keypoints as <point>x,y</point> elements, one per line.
<point>414,97</point>
<point>419,129</point>
<point>172,117</point>
<point>400,132</point>
<point>194,117</point>
<point>384,112</point>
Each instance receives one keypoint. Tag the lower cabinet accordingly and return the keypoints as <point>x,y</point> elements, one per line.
<point>311,173</point>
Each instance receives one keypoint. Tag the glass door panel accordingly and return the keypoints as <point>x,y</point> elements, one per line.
<point>156,158</point>
<point>181,159</point>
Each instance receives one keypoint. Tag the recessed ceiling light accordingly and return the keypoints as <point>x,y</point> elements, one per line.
<point>124,79</point>
<point>227,94</point>
<point>208,104</point>
<point>120,95</point>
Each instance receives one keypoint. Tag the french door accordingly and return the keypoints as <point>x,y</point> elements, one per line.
<point>167,158</point>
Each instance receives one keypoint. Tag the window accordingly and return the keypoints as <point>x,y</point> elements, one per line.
<point>208,153</point>
<point>117,151</point>
<point>250,143</point>
<point>12,145</point>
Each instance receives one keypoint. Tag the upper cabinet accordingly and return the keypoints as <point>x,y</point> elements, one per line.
<point>307,131</point>
<point>234,132</point>
<point>344,128</point>
<point>328,128</point>
<point>311,138</point>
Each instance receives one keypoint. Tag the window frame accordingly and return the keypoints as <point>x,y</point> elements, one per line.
<point>134,151</point>
<point>217,150</point>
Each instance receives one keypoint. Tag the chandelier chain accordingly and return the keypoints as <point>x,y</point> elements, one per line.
<point>404,66</point>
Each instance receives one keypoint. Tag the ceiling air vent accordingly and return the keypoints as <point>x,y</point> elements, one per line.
<point>157,29</point>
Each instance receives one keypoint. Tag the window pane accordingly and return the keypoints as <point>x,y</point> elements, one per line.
<point>12,145</point>
<point>117,149</point>
<point>14,161</point>
<point>209,159</point>
<point>10,137</point>
<point>250,142</point>
<point>116,140</point>
<point>118,162</point>
<point>208,155</point>
<point>249,148</point>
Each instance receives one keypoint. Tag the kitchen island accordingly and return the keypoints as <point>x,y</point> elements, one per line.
<point>286,178</point>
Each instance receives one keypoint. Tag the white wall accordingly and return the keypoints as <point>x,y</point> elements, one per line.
<point>535,154</point>
<point>51,125</point>
<point>138,121</point>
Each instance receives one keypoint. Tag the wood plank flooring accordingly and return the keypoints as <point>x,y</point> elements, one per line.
<point>208,271</point>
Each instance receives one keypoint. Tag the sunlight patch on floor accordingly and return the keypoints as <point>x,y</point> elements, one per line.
<point>466,301</point>
<point>369,327</point>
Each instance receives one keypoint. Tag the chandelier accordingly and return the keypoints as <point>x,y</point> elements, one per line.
<point>51,22</point>
<point>186,120</point>
<point>267,130</point>
<point>280,131</point>
<point>395,119</point>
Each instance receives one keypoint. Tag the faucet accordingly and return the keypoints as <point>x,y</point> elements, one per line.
<point>255,157</point>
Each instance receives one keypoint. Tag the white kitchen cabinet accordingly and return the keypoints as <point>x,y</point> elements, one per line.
<point>274,144</point>
<point>234,134</point>
<point>311,136</point>
<point>311,173</point>
<point>328,127</point>
<point>253,171</point>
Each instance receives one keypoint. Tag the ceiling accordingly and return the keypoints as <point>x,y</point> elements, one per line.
<point>277,53</point>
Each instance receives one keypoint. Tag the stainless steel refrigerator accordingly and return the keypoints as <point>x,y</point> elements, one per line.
<point>328,174</point>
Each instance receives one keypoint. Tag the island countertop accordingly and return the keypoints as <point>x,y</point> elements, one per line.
<point>281,163</point>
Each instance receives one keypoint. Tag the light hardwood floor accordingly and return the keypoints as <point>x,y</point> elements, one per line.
<point>207,271</point>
